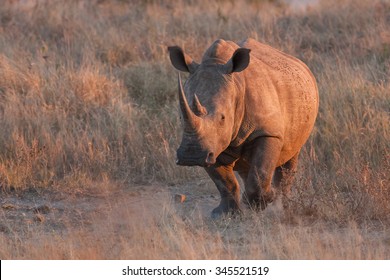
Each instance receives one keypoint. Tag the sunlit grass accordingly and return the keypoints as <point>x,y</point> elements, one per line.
<point>87,95</point>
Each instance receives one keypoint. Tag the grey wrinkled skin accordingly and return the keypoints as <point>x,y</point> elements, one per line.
<point>248,108</point>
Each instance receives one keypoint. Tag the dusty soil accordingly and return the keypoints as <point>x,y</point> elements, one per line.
<point>22,213</point>
<point>159,221</point>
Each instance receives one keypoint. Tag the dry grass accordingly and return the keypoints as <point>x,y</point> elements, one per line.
<point>135,229</point>
<point>87,95</point>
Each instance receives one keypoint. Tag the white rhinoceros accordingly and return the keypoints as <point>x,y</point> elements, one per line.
<point>249,108</point>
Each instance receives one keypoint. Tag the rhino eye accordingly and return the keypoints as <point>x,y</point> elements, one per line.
<point>222,121</point>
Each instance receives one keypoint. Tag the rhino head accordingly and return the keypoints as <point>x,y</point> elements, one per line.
<point>210,105</point>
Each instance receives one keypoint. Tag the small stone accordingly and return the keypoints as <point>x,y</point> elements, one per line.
<point>8,206</point>
<point>180,198</point>
<point>39,218</point>
<point>43,209</point>
<point>4,228</point>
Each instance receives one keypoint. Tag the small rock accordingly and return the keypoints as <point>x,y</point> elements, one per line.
<point>4,228</point>
<point>39,218</point>
<point>180,198</point>
<point>43,209</point>
<point>8,206</point>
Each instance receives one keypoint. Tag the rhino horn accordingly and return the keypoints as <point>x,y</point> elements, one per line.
<point>198,108</point>
<point>191,120</point>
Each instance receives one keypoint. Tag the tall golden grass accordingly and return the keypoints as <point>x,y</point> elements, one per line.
<point>87,95</point>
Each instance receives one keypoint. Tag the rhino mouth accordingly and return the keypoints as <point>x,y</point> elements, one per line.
<point>206,159</point>
<point>190,162</point>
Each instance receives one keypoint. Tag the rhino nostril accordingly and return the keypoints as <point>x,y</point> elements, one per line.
<point>210,158</point>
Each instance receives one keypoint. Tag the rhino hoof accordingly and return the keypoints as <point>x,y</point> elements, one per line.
<point>215,215</point>
<point>258,202</point>
<point>220,212</point>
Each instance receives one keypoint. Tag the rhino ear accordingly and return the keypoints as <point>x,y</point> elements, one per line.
<point>239,61</point>
<point>180,60</point>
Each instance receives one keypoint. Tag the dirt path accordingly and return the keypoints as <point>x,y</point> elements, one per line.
<point>150,222</point>
<point>49,210</point>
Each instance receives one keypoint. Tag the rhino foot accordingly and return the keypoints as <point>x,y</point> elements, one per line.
<point>259,201</point>
<point>222,210</point>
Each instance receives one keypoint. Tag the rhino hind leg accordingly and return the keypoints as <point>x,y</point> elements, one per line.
<point>258,191</point>
<point>228,187</point>
<point>283,178</point>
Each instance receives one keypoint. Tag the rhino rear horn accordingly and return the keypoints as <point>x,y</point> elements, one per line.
<point>198,108</point>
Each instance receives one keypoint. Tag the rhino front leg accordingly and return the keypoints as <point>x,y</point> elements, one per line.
<point>258,191</point>
<point>229,188</point>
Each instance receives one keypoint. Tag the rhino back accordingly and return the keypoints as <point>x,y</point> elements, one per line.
<point>281,98</point>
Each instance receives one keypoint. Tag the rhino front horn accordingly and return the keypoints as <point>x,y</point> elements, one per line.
<point>191,120</point>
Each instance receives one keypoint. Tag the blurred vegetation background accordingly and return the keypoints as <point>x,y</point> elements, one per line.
<point>87,92</point>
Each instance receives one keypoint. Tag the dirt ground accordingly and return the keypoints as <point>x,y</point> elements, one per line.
<point>22,213</point>
<point>169,222</point>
